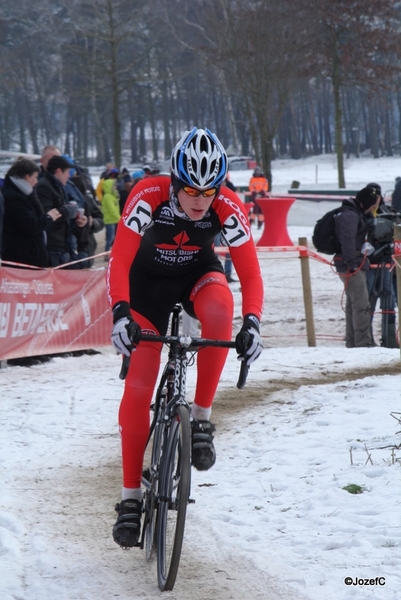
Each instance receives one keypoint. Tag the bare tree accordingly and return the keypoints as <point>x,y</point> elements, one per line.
<point>256,45</point>
<point>353,43</point>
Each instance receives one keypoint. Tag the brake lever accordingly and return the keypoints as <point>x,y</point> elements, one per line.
<point>124,367</point>
<point>243,374</point>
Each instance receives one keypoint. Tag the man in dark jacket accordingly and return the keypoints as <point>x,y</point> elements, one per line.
<point>352,265</point>
<point>381,272</point>
<point>51,193</point>
<point>87,241</point>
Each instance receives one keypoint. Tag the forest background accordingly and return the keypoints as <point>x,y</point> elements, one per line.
<point>106,79</point>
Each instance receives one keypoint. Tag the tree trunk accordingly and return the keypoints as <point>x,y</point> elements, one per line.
<point>115,99</point>
<point>338,125</point>
<point>374,134</point>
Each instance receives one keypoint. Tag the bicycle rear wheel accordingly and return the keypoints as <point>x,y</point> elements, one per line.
<point>174,496</point>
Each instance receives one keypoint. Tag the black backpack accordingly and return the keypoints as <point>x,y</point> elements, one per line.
<point>324,235</point>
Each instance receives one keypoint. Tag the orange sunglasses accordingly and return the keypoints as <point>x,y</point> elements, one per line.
<point>195,193</point>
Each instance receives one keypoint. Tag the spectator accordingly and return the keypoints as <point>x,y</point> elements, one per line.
<point>380,275</point>
<point>147,172</point>
<point>25,221</point>
<point>110,210</point>
<point>76,235</point>
<point>79,189</point>
<point>259,187</point>
<point>94,213</point>
<point>396,197</point>
<point>47,153</point>
<point>121,179</point>
<point>51,193</point>
<point>137,176</point>
<point>25,227</point>
<point>352,266</point>
<point>111,173</point>
<point>125,192</point>
<point>109,167</point>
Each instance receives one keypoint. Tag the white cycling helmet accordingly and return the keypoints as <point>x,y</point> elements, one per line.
<point>199,160</point>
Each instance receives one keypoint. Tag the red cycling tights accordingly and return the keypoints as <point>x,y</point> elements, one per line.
<point>213,305</point>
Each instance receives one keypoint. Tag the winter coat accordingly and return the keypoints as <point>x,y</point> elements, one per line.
<point>258,186</point>
<point>350,227</point>
<point>51,195</point>
<point>92,209</point>
<point>110,202</point>
<point>25,224</point>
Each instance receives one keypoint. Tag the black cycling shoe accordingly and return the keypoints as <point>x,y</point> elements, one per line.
<point>203,452</point>
<point>127,529</point>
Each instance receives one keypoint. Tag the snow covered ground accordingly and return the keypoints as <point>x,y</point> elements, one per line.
<point>272,519</point>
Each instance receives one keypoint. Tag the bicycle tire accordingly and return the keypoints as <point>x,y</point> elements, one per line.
<point>174,496</point>
<point>152,494</point>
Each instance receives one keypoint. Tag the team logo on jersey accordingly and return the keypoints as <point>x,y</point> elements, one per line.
<point>203,224</point>
<point>167,213</point>
<point>166,216</point>
<point>180,240</point>
<point>177,253</point>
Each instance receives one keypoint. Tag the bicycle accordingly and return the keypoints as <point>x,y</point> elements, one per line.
<point>167,480</point>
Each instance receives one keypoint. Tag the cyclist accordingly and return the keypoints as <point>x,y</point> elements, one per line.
<point>163,254</point>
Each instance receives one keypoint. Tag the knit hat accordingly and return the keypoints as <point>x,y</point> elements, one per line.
<point>376,186</point>
<point>367,197</point>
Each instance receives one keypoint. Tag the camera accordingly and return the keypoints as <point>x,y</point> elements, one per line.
<point>381,228</point>
<point>381,232</point>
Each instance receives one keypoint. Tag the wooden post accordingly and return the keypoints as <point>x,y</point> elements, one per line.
<point>397,259</point>
<point>307,290</point>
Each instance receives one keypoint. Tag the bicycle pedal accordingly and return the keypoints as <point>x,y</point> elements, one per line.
<point>191,501</point>
<point>127,548</point>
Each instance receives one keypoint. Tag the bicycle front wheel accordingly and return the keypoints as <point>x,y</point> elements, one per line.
<point>152,493</point>
<point>174,497</point>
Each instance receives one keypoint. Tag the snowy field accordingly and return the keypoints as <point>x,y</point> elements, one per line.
<point>272,519</point>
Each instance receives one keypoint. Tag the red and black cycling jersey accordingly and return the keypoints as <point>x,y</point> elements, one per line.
<point>156,236</point>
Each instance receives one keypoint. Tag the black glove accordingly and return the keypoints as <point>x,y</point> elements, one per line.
<point>126,332</point>
<point>248,343</point>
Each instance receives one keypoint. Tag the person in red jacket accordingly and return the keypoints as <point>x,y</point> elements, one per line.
<point>163,253</point>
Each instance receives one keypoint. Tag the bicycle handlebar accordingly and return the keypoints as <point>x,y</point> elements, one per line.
<point>189,343</point>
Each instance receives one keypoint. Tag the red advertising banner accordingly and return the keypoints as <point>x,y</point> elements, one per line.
<point>50,311</point>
